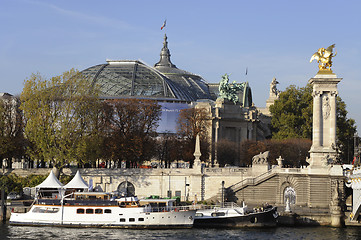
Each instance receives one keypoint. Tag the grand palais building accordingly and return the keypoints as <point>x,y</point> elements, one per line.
<point>176,89</point>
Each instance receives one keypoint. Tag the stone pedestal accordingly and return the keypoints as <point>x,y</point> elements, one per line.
<point>337,217</point>
<point>323,150</point>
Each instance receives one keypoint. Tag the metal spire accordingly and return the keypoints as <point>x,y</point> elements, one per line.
<point>165,56</point>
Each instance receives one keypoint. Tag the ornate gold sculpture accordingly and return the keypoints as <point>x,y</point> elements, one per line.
<point>324,57</point>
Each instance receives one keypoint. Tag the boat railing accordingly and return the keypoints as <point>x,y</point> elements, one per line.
<point>47,201</point>
<point>148,209</point>
<point>74,202</point>
<point>225,205</point>
<point>95,202</point>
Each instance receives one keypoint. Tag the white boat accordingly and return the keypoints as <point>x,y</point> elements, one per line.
<point>95,209</point>
<point>230,215</point>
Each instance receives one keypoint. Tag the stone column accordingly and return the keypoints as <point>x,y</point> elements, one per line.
<point>317,116</point>
<point>333,117</point>
<point>322,151</point>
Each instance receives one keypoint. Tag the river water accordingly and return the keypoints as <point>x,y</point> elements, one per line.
<point>16,232</point>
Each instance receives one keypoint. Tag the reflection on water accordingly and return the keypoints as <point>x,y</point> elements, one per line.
<point>17,232</point>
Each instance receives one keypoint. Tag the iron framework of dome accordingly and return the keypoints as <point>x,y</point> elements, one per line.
<point>164,81</point>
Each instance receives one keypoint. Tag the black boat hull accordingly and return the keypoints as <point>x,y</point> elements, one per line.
<point>266,218</point>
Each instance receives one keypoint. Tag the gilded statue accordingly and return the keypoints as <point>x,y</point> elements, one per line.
<point>324,57</point>
<point>229,90</point>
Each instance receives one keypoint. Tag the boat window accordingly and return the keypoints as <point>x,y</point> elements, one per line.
<point>218,214</point>
<point>80,211</point>
<point>199,214</point>
<point>45,210</point>
<point>98,211</point>
<point>140,219</point>
<point>122,220</point>
<point>131,219</point>
<point>107,211</point>
<point>89,211</point>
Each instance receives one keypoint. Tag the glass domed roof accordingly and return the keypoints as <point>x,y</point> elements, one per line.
<point>128,78</point>
<point>164,81</point>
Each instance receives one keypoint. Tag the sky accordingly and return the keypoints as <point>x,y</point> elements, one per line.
<point>206,37</point>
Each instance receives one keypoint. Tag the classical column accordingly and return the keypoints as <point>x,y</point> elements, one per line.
<point>216,136</point>
<point>324,120</point>
<point>333,118</point>
<point>317,117</point>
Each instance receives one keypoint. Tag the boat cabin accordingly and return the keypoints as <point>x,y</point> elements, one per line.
<point>158,202</point>
<point>128,202</point>
<point>92,196</point>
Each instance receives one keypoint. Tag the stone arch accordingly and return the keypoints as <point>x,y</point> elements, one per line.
<point>126,189</point>
<point>288,182</point>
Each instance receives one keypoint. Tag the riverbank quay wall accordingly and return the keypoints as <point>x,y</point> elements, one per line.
<point>315,189</point>
<point>315,192</point>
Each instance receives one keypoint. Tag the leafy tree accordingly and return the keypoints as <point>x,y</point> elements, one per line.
<point>345,132</point>
<point>59,116</point>
<point>190,123</point>
<point>292,113</point>
<point>11,129</point>
<point>14,183</point>
<point>292,118</point>
<point>131,129</point>
<point>10,183</point>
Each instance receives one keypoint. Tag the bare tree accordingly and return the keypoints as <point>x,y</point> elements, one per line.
<point>191,122</point>
<point>227,152</point>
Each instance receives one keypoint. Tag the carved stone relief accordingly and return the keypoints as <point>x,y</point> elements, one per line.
<point>326,108</point>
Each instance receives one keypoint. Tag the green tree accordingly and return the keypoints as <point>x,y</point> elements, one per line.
<point>292,118</point>
<point>59,115</point>
<point>345,132</point>
<point>292,113</point>
<point>11,129</point>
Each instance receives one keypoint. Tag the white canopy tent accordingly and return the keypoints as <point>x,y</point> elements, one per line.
<point>50,182</point>
<point>77,182</point>
<point>50,187</point>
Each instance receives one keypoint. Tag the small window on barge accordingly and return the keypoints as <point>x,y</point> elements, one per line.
<point>218,214</point>
<point>98,211</point>
<point>80,211</point>
<point>89,211</point>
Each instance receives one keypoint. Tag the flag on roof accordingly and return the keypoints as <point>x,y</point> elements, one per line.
<point>163,26</point>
